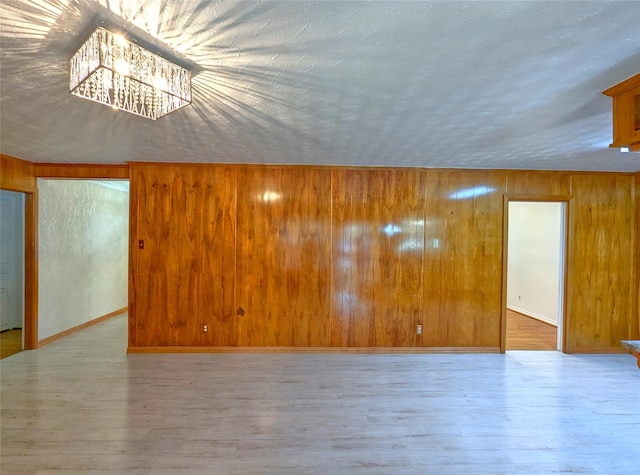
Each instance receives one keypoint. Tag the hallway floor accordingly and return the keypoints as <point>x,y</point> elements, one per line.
<point>526,333</point>
<point>10,343</point>
<point>81,404</point>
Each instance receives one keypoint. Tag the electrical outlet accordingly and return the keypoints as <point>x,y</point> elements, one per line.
<point>206,328</point>
<point>436,243</point>
<point>418,329</point>
<point>519,297</point>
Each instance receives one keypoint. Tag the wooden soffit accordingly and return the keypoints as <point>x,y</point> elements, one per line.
<point>626,113</point>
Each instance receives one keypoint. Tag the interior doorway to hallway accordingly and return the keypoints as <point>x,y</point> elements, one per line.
<point>535,275</point>
<point>83,252</point>
<point>12,272</point>
<point>48,225</point>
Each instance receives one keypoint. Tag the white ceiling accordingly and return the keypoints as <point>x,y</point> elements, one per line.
<point>472,84</point>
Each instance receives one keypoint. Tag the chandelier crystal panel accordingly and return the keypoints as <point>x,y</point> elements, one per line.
<point>113,71</point>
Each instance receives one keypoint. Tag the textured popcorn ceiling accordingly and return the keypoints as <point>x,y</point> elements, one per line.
<point>428,84</point>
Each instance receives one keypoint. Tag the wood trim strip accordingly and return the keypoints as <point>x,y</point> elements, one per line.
<point>132,271</point>
<point>633,142</point>
<point>31,271</point>
<point>503,299</point>
<point>623,86</point>
<point>313,350</point>
<point>539,198</point>
<point>76,329</point>
<point>488,171</point>
<point>564,323</point>
<point>16,175</point>
<point>81,171</point>
<point>568,292</point>
<point>636,274</point>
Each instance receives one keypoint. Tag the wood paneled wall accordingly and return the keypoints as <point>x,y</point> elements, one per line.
<point>464,274</point>
<point>602,273</point>
<point>182,256</point>
<point>273,256</point>
<point>284,256</point>
<point>377,257</point>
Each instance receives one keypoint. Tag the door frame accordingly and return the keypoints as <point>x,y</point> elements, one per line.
<point>564,314</point>
<point>30,327</point>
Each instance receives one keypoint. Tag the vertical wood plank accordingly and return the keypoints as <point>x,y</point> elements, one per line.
<point>135,186</point>
<point>601,293</point>
<point>284,230</point>
<point>489,225</point>
<point>154,294</point>
<point>378,233</point>
<point>351,316</point>
<point>184,274</point>
<point>217,256</point>
<point>433,263</point>
<point>464,276</point>
<point>31,272</point>
<point>188,323</point>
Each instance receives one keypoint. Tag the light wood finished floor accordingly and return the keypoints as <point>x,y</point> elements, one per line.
<point>526,333</point>
<point>10,343</point>
<point>81,405</point>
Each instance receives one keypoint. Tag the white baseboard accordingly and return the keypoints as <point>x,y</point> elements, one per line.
<point>528,313</point>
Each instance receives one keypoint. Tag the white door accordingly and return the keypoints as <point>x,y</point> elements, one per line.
<point>11,259</point>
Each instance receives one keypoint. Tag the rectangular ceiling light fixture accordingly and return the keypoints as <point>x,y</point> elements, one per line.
<point>111,70</point>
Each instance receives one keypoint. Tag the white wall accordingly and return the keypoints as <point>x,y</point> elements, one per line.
<point>82,253</point>
<point>534,259</point>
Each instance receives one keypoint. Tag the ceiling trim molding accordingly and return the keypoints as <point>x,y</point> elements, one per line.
<point>81,171</point>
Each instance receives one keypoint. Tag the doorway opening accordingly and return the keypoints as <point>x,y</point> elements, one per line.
<point>83,251</point>
<point>12,272</point>
<point>535,245</point>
